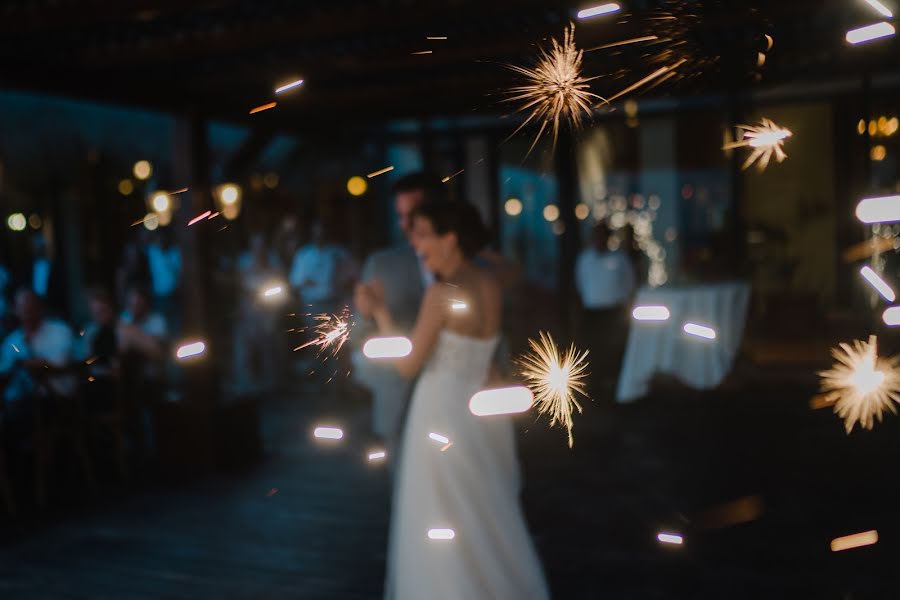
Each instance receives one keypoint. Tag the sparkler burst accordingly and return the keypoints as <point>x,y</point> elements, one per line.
<point>861,385</point>
<point>330,332</point>
<point>556,379</point>
<point>554,90</point>
<point>766,139</point>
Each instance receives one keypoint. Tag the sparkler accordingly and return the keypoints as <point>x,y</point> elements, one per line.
<point>199,217</point>
<point>330,333</point>
<point>554,89</point>
<point>766,139</point>
<point>556,379</point>
<point>861,385</point>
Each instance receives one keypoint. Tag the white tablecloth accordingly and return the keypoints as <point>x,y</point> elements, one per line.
<point>663,347</point>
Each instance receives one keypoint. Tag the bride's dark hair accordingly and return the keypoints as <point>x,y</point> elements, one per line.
<point>460,218</point>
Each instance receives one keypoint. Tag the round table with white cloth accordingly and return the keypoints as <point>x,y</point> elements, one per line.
<point>664,347</point>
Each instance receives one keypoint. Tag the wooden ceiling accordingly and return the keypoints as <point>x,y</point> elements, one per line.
<point>220,58</point>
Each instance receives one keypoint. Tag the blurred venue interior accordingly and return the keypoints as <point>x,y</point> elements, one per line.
<point>160,158</point>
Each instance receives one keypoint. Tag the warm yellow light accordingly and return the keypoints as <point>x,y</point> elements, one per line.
<point>165,218</point>
<point>892,125</point>
<point>873,128</point>
<point>271,180</point>
<point>143,169</point>
<point>551,213</point>
<point>357,186</point>
<point>503,401</point>
<point>582,211</point>
<point>387,347</point>
<point>150,221</point>
<point>126,187</point>
<point>229,193</point>
<point>161,202</point>
<point>878,153</point>
<point>513,207</point>
<point>16,222</point>
<point>861,127</point>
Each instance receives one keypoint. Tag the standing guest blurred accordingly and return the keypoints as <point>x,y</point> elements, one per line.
<point>164,260</point>
<point>132,270</point>
<point>256,356</point>
<point>399,274</point>
<point>38,347</point>
<point>142,336</point>
<point>320,273</point>
<point>635,254</point>
<point>45,276</point>
<point>99,347</point>
<point>605,282</point>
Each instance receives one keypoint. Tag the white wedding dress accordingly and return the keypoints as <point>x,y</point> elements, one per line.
<point>471,487</point>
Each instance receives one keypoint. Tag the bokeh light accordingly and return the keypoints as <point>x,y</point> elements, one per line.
<point>357,186</point>
<point>143,169</point>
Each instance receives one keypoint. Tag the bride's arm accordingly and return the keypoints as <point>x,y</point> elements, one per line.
<point>432,318</point>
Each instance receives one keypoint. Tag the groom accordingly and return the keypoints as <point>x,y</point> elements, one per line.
<point>404,279</point>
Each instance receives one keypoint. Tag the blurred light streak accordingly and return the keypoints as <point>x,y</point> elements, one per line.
<point>328,433</point>
<point>883,209</point>
<point>387,347</point>
<point>650,313</point>
<point>289,86</point>
<point>441,534</point>
<point>449,177</point>
<point>423,52</point>
<point>272,291</point>
<point>870,32</point>
<point>437,437</point>
<point>436,37</point>
<point>378,455</point>
<point>700,331</point>
<point>670,538</point>
<point>596,11</point>
<point>380,172</point>
<point>856,540</point>
<point>891,316</point>
<point>646,38</point>
<point>199,217</point>
<point>766,139</point>
<point>659,72</point>
<point>502,401</point>
<point>191,349</point>
<point>878,283</point>
<point>263,107</point>
<point>458,305</point>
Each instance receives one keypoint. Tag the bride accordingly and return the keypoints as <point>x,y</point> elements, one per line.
<point>457,529</point>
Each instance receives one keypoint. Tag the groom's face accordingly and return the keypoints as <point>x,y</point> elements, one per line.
<point>405,204</point>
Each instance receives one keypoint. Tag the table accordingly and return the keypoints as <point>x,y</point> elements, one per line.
<point>663,347</point>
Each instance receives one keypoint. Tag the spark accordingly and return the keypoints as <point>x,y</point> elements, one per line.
<point>884,209</point>
<point>423,52</point>
<point>387,347</point>
<point>328,433</point>
<point>436,37</point>
<point>272,291</point>
<point>377,455</point>
<point>884,10</point>
<point>441,534</point>
<point>214,215</point>
<point>458,305</point>
<point>502,401</point>
<point>670,538</point>
<point>857,540</point>
<point>659,72</point>
<point>380,172</point>
<point>330,333</point>
<point>870,32</point>
<point>766,139</point>
<point>555,379</point>
<point>191,349</point>
<point>146,217</point>
<point>181,191</point>
<point>449,177</point>
<point>554,90</point>
<point>289,86</point>
<point>16,348</point>
<point>446,446</point>
<point>860,384</point>
<point>263,107</point>
<point>700,331</point>
<point>650,313</point>
<point>878,283</point>
<point>596,11</point>
<point>646,38</point>
<point>199,217</point>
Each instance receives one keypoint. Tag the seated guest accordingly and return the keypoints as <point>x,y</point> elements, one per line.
<point>99,347</point>
<point>37,349</point>
<point>322,271</point>
<point>606,281</point>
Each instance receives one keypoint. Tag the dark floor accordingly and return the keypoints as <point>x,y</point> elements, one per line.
<point>311,521</point>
